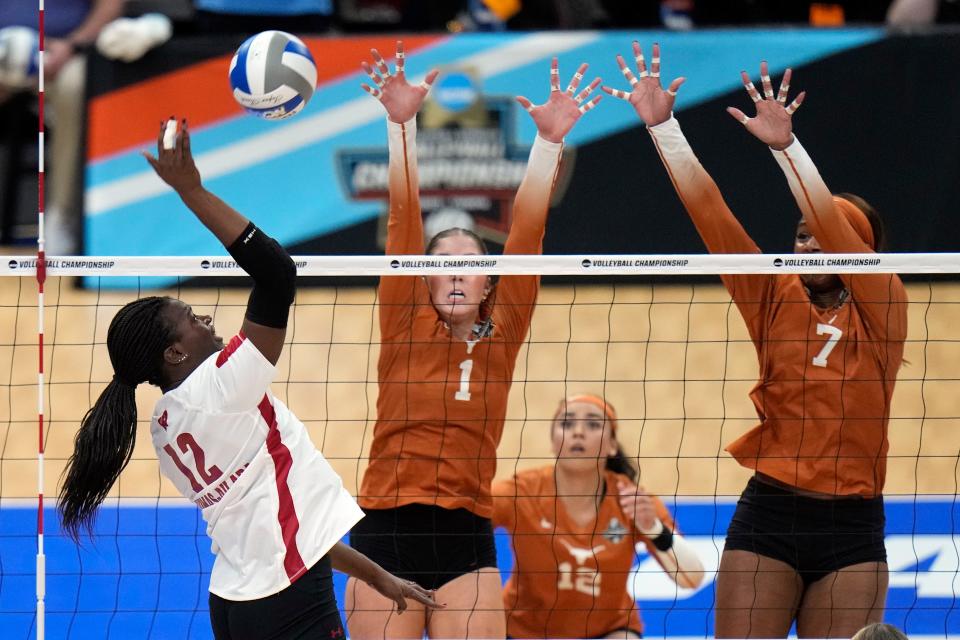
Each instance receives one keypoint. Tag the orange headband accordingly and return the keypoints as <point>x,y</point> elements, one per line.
<point>596,401</point>
<point>857,219</point>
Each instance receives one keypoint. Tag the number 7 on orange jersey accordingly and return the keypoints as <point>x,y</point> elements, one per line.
<point>820,360</point>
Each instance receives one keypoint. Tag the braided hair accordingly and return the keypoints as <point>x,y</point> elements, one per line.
<point>136,340</point>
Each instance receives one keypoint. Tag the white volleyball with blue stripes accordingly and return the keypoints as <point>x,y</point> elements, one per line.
<point>273,75</point>
<point>19,57</point>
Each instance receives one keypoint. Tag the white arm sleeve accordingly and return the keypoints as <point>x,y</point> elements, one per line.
<point>402,140</point>
<point>544,158</point>
<point>681,563</point>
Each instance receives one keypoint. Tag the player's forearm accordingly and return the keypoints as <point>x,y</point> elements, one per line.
<point>225,222</point>
<point>532,202</point>
<point>677,556</point>
<point>681,562</point>
<point>690,180</point>
<point>347,560</point>
<point>405,226</point>
<point>814,199</point>
<point>102,13</point>
<point>716,224</point>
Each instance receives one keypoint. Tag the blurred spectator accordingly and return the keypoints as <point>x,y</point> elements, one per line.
<point>253,16</point>
<point>680,14</point>
<point>179,11</point>
<point>128,39</point>
<point>921,12</point>
<point>677,14</point>
<point>402,15</point>
<point>576,14</point>
<point>71,27</point>
<point>825,14</point>
<point>879,631</point>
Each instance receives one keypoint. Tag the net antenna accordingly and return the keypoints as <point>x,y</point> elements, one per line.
<point>41,278</point>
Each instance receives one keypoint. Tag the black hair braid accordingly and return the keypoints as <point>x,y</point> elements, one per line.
<point>136,340</point>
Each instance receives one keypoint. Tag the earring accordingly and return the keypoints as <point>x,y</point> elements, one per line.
<point>182,358</point>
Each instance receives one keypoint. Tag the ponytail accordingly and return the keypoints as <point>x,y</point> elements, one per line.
<point>101,450</point>
<point>620,463</point>
<point>136,340</point>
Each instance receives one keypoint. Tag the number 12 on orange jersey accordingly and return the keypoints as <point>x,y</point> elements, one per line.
<point>582,579</point>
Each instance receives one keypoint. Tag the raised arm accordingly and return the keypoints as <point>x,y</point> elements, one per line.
<point>398,295</point>
<point>720,230</point>
<point>273,272</point>
<point>402,101</point>
<point>716,224</point>
<point>517,295</point>
<point>554,119</point>
<point>824,214</point>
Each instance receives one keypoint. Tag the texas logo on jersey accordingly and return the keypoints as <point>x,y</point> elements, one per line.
<point>615,531</point>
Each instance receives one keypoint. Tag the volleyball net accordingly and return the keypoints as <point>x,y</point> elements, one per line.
<point>655,335</point>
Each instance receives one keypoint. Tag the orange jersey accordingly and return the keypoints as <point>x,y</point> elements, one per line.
<point>826,375</point>
<point>442,402</point>
<point>568,580</point>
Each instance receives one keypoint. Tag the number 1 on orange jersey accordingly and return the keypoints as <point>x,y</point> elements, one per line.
<point>466,368</point>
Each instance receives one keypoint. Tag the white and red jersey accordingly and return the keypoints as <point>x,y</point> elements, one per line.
<point>272,503</point>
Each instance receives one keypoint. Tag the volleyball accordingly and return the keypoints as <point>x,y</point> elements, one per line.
<point>273,75</point>
<point>19,57</point>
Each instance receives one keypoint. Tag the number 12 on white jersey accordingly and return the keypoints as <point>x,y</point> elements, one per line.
<point>820,360</point>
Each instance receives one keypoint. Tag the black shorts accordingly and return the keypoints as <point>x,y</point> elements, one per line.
<point>305,609</point>
<point>427,544</point>
<point>816,537</point>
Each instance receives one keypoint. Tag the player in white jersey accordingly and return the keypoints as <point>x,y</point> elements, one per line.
<point>275,509</point>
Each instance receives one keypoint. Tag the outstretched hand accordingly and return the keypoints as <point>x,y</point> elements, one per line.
<point>556,117</point>
<point>175,165</point>
<point>773,124</point>
<point>399,590</point>
<point>401,99</point>
<point>649,100</point>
